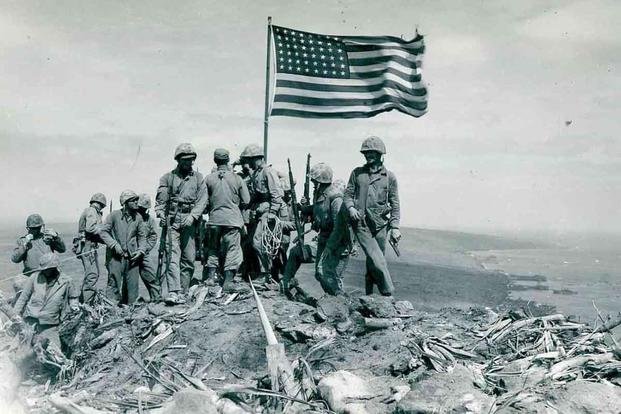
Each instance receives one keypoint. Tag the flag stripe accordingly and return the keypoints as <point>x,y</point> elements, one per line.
<point>388,73</point>
<point>385,52</point>
<point>407,70</point>
<point>370,48</point>
<point>372,87</point>
<point>323,102</point>
<point>350,82</point>
<point>418,42</point>
<point>355,95</point>
<point>340,112</point>
<point>357,60</point>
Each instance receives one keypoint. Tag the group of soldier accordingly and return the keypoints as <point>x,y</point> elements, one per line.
<point>251,216</point>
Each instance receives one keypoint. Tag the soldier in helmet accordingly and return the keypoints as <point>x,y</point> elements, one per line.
<point>372,201</point>
<point>46,299</point>
<point>266,205</point>
<point>228,194</point>
<point>124,233</point>
<point>88,241</point>
<point>326,204</point>
<point>180,201</point>
<point>33,245</point>
<point>148,264</point>
<point>250,263</point>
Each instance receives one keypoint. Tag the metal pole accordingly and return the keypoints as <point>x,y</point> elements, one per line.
<point>267,86</point>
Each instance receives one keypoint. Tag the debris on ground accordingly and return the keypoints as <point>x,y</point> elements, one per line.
<point>237,353</point>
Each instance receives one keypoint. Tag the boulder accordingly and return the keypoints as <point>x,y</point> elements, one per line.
<point>377,306</point>
<point>191,401</point>
<point>447,392</point>
<point>586,397</point>
<point>344,392</point>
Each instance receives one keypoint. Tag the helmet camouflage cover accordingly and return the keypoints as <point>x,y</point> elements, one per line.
<point>99,198</point>
<point>127,195</point>
<point>144,201</point>
<point>373,143</point>
<point>185,150</point>
<point>34,220</point>
<point>252,151</point>
<point>321,173</point>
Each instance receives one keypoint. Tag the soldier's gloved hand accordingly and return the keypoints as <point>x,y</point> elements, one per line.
<point>395,235</point>
<point>136,256</point>
<point>28,238</point>
<point>50,233</point>
<point>118,250</point>
<point>188,221</point>
<point>354,214</point>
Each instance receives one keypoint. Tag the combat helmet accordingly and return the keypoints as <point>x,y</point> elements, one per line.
<point>185,150</point>
<point>373,143</point>
<point>144,201</point>
<point>99,198</point>
<point>34,220</point>
<point>49,261</point>
<point>252,151</point>
<point>322,173</point>
<point>127,195</point>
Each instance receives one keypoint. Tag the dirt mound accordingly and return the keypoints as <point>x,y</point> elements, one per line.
<point>143,357</point>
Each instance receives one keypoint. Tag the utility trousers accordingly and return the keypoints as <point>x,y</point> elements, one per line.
<point>90,263</point>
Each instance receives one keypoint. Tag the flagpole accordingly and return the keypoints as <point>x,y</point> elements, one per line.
<point>267,86</point>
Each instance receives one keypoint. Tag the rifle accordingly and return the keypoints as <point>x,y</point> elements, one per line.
<point>299,227</point>
<point>307,186</point>
<point>161,251</point>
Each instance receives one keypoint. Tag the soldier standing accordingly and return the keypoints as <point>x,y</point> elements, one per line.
<point>124,233</point>
<point>180,201</point>
<point>148,265</point>
<point>89,225</point>
<point>228,194</point>
<point>266,204</point>
<point>372,201</point>
<point>327,201</point>
<point>250,263</point>
<point>33,245</point>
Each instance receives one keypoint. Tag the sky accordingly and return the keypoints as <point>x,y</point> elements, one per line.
<point>521,133</point>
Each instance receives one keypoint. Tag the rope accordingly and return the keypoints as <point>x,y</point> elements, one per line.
<point>272,238</point>
<point>66,259</point>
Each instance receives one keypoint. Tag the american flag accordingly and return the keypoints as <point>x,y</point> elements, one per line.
<point>321,76</point>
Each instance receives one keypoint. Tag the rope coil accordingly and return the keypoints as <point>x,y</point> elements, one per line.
<point>271,238</point>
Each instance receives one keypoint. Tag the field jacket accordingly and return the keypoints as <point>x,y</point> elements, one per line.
<point>374,193</point>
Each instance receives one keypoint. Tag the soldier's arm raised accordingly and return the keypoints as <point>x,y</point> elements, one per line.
<point>58,245</point>
<point>19,252</point>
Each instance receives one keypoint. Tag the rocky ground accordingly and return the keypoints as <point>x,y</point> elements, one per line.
<point>360,354</point>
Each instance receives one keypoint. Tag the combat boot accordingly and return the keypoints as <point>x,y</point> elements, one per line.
<point>210,276</point>
<point>227,283</point>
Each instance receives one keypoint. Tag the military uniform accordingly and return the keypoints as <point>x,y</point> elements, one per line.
<point>266,201</point>
<point>124,232</point>
<point>324,211</point>
<point>148,265</point>
<point>45,300</point>
<point>89,225</point>
<point>30,251</point>
<point>227,191</point>
<point>188,197</point>
<point>373,192</point>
